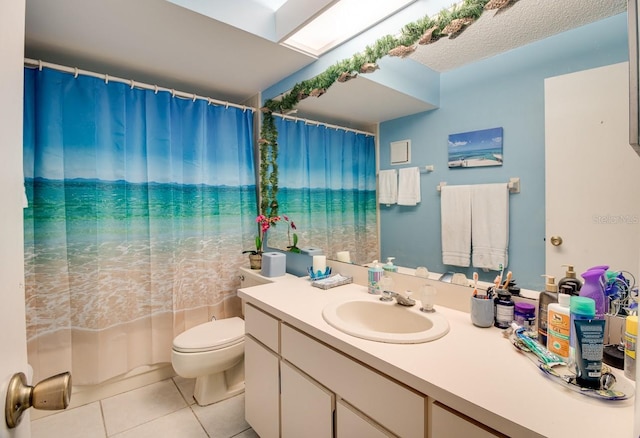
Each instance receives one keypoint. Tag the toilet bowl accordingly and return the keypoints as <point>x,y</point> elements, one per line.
<point>213,354</point>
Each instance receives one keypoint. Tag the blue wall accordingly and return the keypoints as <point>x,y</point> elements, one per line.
<point>508,91</point>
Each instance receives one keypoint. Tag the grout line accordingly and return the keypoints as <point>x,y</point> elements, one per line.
<point>104,423</point>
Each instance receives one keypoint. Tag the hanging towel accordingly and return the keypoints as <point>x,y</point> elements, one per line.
<point>490,225</point>
<point>388,187</point>
<point>455,215</point>
<point>409,186</point>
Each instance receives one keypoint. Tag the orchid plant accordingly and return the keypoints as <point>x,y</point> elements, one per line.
<point>265,223</point>
<point>291,226</point>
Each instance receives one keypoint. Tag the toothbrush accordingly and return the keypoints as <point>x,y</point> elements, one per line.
<point>506,282</point>
<point>475,284</point>
<point>499,278</point>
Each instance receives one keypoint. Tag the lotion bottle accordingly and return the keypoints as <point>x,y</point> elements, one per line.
<point>559,326</point>
<point>375,274</point>
<point>389,266</point>
<point>548,296</point>
<point>570,279</point>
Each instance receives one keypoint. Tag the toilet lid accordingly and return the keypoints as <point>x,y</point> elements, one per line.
<point>210,336</point>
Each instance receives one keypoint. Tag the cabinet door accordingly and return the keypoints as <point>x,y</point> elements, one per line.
<point>307,407</point>
<point>353,424</point>
<point>262,391</point>
<point>446,423</point>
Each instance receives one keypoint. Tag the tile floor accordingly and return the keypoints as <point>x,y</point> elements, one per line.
<point>162,409</point>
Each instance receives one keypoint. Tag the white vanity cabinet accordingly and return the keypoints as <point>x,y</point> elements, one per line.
<point>447,423</point>
<point>306,406</point>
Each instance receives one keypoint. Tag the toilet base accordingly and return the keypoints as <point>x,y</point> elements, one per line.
<point>216,387</point>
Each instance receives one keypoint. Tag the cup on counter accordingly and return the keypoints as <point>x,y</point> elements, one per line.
<point>482,311</point>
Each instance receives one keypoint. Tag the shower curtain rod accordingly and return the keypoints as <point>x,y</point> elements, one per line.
<point>328,125</point>
<point>76,71</point>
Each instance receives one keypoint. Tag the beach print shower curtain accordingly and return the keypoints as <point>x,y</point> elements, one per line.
<point>327,187</point>
<point>140,205</point>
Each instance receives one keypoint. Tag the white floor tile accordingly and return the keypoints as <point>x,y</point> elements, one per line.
<point>131,409</point>
<point>182,424</point>
<point>82,422</point>
<point>224,419</point>
<point>186,387</point>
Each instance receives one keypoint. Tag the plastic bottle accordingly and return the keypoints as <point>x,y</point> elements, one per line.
<point>594,289</point>
<point>389,266</point>
<point>630,340</point>
<point>580,308</point>
<point>559,326</point>
<point>375,274</point>
<point>524,315</point>
<point>570,280</point>
<point>548,296</point>
<point>503,309</point>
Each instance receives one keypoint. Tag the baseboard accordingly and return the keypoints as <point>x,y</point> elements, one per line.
<point>141,376</point>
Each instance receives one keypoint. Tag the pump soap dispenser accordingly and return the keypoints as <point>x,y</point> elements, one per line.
<point>570,280</point>
<point>548,296</point>
<point>389,266</point>
<point>375,274</point>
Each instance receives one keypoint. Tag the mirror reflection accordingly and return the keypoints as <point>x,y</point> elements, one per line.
<point>506,90</point>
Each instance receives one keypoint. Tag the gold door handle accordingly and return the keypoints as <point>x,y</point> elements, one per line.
<point>51,394</point>
<point>556,240</point>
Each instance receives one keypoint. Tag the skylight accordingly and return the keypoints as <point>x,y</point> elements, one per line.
<point>342,21</point>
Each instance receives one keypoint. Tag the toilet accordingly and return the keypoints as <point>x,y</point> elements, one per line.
<point>213,354</point>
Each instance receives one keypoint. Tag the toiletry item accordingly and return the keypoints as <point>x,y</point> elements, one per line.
<point>375,274</point>
<point>559,326</point>
<point>630,339</point>
<point>593,288</point>
<point>570,280</point>
<point>482,311</point>
<point>503,309</point>
<point>581,308</point>
<point>524,314</point>
<point>319,264</point>
<point>548,296</point>
<point>588,355</point>
<point>546,357</point>
<point>389,266</point>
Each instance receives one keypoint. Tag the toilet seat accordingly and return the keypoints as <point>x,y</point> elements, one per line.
<point>210,336</point>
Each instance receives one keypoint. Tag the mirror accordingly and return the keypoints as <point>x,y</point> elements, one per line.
<point>505,90</point>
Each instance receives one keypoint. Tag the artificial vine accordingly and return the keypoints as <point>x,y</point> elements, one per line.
<point>450,22</point>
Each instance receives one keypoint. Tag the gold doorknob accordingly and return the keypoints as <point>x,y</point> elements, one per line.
<point>52,394</point>
<point>556,240</point>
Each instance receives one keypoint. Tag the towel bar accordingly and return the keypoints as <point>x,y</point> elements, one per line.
<point>513,184</point>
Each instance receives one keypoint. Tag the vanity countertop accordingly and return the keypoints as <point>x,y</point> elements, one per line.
<point>472,370</point>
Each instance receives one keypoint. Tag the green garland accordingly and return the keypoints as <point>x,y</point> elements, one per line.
<point>363,62</point>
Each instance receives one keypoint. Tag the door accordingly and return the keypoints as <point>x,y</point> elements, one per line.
<point>592,190</point>
<point>12,310</point>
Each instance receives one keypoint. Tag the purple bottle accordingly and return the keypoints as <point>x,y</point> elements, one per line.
<point>592,288</point>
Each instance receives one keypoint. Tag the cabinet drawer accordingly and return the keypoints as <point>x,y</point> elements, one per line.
<point>262,326</point>
<point>396,407</point>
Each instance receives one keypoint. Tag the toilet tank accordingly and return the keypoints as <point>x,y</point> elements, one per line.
<point>250,278</point>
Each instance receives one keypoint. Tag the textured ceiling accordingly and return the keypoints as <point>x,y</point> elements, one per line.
<point>522,23</point>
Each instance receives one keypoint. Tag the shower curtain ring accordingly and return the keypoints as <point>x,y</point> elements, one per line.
<point>75,75</point>
<point>106,79</point>
<point>194,97</point>
<point>132,83</point>
<point>39,64</point>
<point>156,89</point>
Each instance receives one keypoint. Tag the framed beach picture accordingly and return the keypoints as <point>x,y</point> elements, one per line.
<point>476,148</point>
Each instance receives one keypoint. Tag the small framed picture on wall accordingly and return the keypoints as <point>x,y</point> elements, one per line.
<point>476,148</point>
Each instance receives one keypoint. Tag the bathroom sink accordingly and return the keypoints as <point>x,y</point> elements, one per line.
<point>385,321</point>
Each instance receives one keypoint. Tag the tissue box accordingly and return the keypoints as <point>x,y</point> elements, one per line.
<point>274,264</point>
<point>308,250</point>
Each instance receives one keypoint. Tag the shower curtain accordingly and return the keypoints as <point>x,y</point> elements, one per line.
<point>327,187</point>
<point>140,204</point>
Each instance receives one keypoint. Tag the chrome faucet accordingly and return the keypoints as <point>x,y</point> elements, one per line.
<point>402,299</point>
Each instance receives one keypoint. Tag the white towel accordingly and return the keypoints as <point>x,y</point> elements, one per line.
<point>490,225</point>
<point>455,216</point>
<point>409,186</point>
<point>388,187</point>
